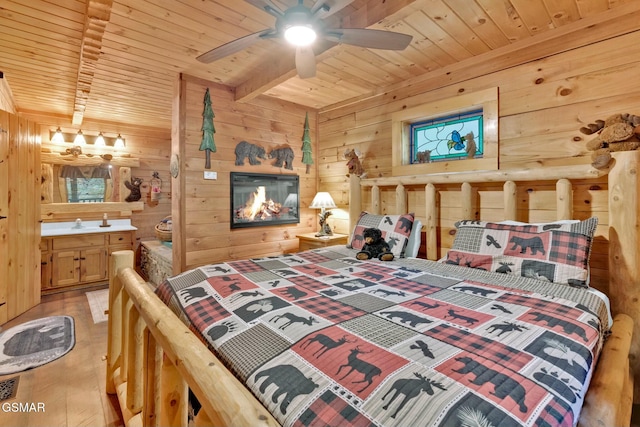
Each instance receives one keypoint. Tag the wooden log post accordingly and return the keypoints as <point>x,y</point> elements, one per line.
<point>355,201</point>
<point>375,200</point>
<point>466,195</point>
<point>624,246</point>
<point>564,199</point>
<point>610,388</point>
<point>431,221</point>
<point>510,191</point>
<point>135,372</point>
<point>117,261</point>
<point>152,367</point>
<point>124,176</point>
<point>174,396</point>
<point>401,199</point>
<point>46,184</point>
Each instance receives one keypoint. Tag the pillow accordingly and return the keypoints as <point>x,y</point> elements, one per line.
<point>557,252</point>
<point>395,230</point>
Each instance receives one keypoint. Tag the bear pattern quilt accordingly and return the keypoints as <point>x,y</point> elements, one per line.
<point>322,338</point>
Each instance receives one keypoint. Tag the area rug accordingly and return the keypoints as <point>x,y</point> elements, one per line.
<point>35,343</point>
<point>99,304</point>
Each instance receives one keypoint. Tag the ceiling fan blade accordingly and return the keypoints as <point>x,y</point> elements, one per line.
<point>233,46</point>
<point>325,8</point>
<point>305,62</point>
<point>268,6</point>
<point>372,39</point>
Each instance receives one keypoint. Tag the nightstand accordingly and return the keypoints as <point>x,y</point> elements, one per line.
<point>310,241</point>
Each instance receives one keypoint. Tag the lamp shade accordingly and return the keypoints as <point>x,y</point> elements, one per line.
<point>322,200</point>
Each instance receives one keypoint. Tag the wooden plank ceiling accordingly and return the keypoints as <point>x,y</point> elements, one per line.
<point>117,60</point>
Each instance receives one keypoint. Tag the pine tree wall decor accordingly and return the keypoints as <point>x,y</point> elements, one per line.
<point>208,144</point>
<point>307,159</point>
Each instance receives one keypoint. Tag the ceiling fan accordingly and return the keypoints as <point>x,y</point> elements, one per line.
<point>301,26</point>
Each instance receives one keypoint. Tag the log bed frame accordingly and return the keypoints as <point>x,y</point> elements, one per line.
<point>153,358</point>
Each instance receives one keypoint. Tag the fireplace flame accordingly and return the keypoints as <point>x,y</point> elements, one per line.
<point>259,207</point>
<point>254,205</point>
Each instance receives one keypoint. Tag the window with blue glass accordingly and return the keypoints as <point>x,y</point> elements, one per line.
<point>454,137</point>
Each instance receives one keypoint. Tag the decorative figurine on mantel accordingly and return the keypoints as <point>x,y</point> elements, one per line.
<point>208,144</point>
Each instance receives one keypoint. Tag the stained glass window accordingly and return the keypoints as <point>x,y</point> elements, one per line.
<point>453,137</point>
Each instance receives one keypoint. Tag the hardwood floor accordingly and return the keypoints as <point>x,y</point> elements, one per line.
<point>71,388</point>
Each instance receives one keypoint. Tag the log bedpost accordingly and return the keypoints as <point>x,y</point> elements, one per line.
<point>510,200</point>
<point>431,222</point>
<point>624,246</point>
<point>564,199</point>
<point>375,200</point>
<point>467,201</point>
<point>355,201</point>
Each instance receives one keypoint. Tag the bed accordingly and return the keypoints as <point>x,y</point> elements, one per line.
<point>321,338</point>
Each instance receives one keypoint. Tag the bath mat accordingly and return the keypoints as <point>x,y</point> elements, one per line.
<point>35,343</point>
<point>99,304</point>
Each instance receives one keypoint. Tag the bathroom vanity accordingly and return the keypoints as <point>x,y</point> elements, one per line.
<point>75,254</point>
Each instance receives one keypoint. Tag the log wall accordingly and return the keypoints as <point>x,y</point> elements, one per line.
<point>201,208</point>
<point>542,105</point>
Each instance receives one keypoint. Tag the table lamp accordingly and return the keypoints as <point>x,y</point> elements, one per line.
<point>323,201</point>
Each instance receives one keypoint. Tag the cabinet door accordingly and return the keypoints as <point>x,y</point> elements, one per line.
<point>93,265</point>
<point>66,268</point>
<point>45,270</point>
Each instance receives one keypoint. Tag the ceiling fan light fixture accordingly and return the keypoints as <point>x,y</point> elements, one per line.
<point>300,35</point>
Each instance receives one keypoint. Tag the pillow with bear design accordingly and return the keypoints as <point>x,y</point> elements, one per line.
<point>396,230</point>
<point>557,252</point>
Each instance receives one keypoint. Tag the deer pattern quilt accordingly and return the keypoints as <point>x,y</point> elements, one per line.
<point>322,338</point>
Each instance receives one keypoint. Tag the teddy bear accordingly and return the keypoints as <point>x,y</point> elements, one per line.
<point>134,187</point>
<point>374,246</point>
<point>619,132</point>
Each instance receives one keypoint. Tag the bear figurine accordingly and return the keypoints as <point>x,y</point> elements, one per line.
<point>284,157</point>
<point>134,187</point>
<point>374,246</point>
<point>251,151</point>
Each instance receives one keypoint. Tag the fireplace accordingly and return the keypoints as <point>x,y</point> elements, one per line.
<point>259,199</point>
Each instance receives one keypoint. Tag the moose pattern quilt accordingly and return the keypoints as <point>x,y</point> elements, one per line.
<point>322,338</point>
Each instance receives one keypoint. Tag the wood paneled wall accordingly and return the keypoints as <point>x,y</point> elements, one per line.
<point>201,208</point>
<point>19,215</point>
<point>151,146</point>
<point>6,97</point>
<point>542,105</point>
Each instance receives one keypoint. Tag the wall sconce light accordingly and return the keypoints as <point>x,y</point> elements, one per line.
<point>82,140</point>
<point>119,143</point>
<point>99,142</point>
<point>57,137</point>
<point>79,139</point>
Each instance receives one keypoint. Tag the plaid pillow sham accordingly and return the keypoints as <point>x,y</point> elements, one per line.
<point>557,252</point>
<point>395,230</point>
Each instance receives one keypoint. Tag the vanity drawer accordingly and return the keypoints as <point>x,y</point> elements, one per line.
<point>80,241</point>
<point>124,238</point>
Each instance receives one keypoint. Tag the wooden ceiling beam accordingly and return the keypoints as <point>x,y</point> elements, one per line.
<point>96,18</point>
<point>281,67</point>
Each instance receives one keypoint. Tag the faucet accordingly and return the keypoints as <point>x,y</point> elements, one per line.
<point>78,223</point>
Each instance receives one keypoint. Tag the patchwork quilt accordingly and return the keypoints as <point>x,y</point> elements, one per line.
<point>322,338</point>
